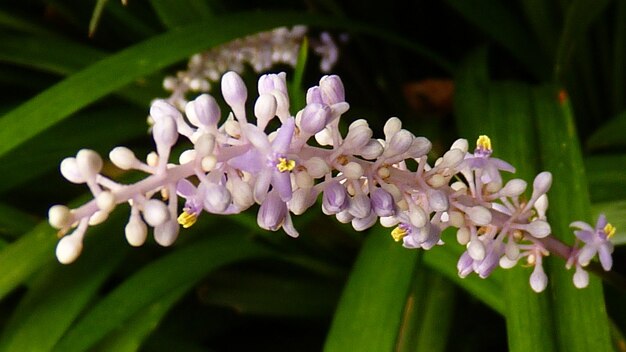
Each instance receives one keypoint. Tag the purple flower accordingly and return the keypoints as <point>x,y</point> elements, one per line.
<point>482,161</point>
<point>596,241</point>
<point>273,214</point>
<point>268,160</point>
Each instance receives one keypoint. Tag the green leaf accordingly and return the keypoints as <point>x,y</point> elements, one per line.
<point>14,222</point>
<point>500,23</point>
<point>95,17</point>
<point>116,71</point>
<point>619,57</point>
<point>610,134</point>
<point>296,90</point>
<point>580,315</point>
<point>428,314</point>
<point>176,13</point>
<point>22,258</point>
<point>503,111</point>
<point>59,293</point>
<point>130,336</point>
<point>606,175</point>
<point>181,269</point>
<point>369,313</point>
<point>578,18</point>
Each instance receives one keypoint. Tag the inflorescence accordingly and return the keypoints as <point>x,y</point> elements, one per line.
<point>260,51</point>
<point>237,163</point>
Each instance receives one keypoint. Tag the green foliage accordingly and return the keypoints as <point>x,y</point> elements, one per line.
<point>547,84</point>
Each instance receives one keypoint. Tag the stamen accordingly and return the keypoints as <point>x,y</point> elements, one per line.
<point>285,164</point>
<point>609,230</point>
<point>483,142</point>
<point>398,233</point>
<point>186,220</point>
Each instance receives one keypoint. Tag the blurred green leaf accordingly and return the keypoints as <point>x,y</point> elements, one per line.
<point>116,71</point>
<point>130,336</point>
<point>580,315</point>
<point>500,23</point>
<point>503,111</point>
<point>369,313</point>
<point>579,16</point>
<point>619,57</point>
<point>428,314</point>
<point>606,175</point>
<point>543,17</point>
<point>176,13</point>
<point>444,259</point>
<point>59,293</point>
<point>609,135</point>
<point>95,17</point>
<point>297,94</point>
<point>14,222</point>
<point>181,269</point>
<point>22,258</point>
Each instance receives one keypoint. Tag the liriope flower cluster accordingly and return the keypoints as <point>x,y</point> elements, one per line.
<point>260,51</point>
<point>235,163</point>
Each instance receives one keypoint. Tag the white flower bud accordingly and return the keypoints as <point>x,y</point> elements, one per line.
<point>436,181</point>
<point>155,212</point>
<point>241,193</point>
<point>420,147</point>
<point>357,137</point>
<point>208,163</point>
<point>304,180</point>
<point>324,137</point>
<point>511,250</point>
<point>463,235</point>
<point>165,132</point>
<point>301,201</point>
<point>437,200</point>
<point>400,142</point>
<point>69,248</point>
<point>542,183</point>
<point>353,170</point>
<point>106,201</point>
<point>69,170</point>
<point>89,163</point>
<point>152,159</point>
<point>538,228</point>
<point>123,158</point>
<point>538,279</point>
<point>388,221</point>
<point>316,167</point>
<point>234,90</point>
<point>452,158</point>
<point>456,219</point>
<point>476,249</point>
<point>513,188</point>
<point>364,223</point>
<point>187,156</point>
<point>581,278</point>
<point>217,198</point>
<point>166,233</point>
<point>204,144</point>
<point>59,216</point>
<point>460,144</point>
<point>506,263</point>
<point>136,231</point>
<point>98,217</point>
<point>344,217</point>
<point>392,126</point>
<point>203,111</point>
<point>479,215</point>
<point>418,217</point>
<point>360,206</point>
<point>265,108</point>
<point>372,150</point>
<point>541,205</point>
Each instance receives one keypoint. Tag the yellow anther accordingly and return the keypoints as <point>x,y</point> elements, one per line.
<point>285,164</point>
<point>187,219</point>
<point>609,230</point>
<point>483,142</point>
<point>398,234</point>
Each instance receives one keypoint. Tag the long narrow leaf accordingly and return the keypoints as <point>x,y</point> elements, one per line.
<point>576,310</point>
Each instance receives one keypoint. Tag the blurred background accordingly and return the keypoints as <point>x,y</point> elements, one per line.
<point>545,79</point>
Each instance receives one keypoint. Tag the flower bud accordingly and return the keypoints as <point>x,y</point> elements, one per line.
<point>400,142</point>
<point>166,233</point>
<point>437,200</point>
<point>364,223</point>
<point>331,89</point>
<point>272,212</point>
<point>136,231</point>
<point>479,215</point>
<point>59,216</point>
<point>513,188</point>
<point>382,202</point>
<point>353,170</point>
<point>155,212</point>
<point>463,235</point>
<point>538,228</point>
<point>217,199</point>
<point>234,92</point>
<point>344,216</point>
<point>106,201</point>
<point>204,144</point>
<point>335,198</point>
<point>314,95</point>
<point>314,118</point>
<point>538,279</point>
<point>476,249</point>
<point>69,248</point>
<point>165,132</point>
<point>581,278</point>
<point>123,158</point>
<point>372,150</point>
<point>460,144</point>
<point>69,170</point>
<point>265,108</point>
<point>316,167</point>
<point>161,109</point>
<point>89,163</point>
<point>392,126</point>
<point>203,111</point>
<point>360,206</point>
<point>541,184</point>
<point>187,156</point>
